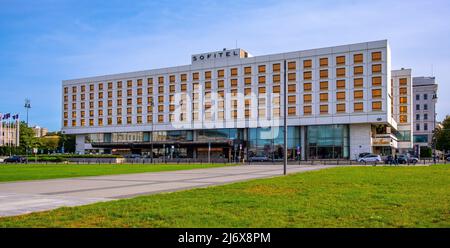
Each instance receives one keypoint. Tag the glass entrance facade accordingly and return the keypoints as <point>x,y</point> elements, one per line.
<point>268,142</point>
<point>327,142</point>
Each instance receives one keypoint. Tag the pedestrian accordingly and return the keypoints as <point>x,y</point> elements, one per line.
<point>395,159</point>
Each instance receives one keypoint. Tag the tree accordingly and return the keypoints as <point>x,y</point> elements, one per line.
<point>441,135</point>
<point>49,143</point>
<point>27,141</point>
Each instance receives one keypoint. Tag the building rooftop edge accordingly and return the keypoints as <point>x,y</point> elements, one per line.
<point>187,66</point>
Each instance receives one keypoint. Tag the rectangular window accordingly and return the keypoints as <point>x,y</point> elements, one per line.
<point>292,77</point>
<point>292,88</point>
<point>248,70</point>
<point>195,76</point>
<point>324,85</point>
<point>340,72</point>
<point>307,75</point>
<point>292,65</point>
<point>358,107</point>
<point>340,107</point>
<point>403,100</point>
<point>248,80</point>
<point>262,90</point>
<point>276,89</point>
<point>340,60</point>
<point>403,118</point>
<point>220,84</point>
<point>403,81</point>
<point>261,79</point>
<point>324,109</point>
<point>340,84</point>
<point>276,67</point>
<point>425,96</point>
<point>358,58</point>
<point>234,72</point>
<point>207,74</point>
<point>376,56</point>
<point>323,73</point>
<point>248,91</point>
<point>291,111</point>
<point>340,96</point>
<point>261,69</point>
<point>376,93</point>
<point>376,81</point>
<point>307,63</point>
<point>307,86</point>
<point>403,109</point>
<point>358,94</point>
<point>276,78</point>
<point>376,68</point>
<point>292,100</point>
<point>307,98</point>
<point>160,118</point>
<point>323,62</point>
<point>183,77</point>
<point>307,110</point>
<point>358,83</point>
<point>323,97</point>
<point>358,70</point>
<point>376,106</point>
<point>220,73</point>
<point>234,82</point>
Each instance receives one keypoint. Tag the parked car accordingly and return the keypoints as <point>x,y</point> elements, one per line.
<point>406,158</point>
<point>258,158</point>
<point>370,158</point>
<point>362,155</point>
<point>15,159</point>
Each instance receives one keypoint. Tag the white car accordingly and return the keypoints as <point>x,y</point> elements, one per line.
<point>370,158</point>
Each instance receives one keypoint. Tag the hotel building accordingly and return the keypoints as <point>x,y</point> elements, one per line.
<point>341,101</point>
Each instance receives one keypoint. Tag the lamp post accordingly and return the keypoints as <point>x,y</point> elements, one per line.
<point>285,119</point>
<point>434,125</point>
<point>27,107</point>
<point>151,134</point>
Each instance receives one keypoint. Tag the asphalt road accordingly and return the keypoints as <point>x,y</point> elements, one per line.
<point>23,197</point>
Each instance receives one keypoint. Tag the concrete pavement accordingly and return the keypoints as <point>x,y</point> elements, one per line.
<point>30,196</point>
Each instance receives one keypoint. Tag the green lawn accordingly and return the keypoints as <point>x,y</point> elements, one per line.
<point>337,197</point>
<point>15,172</point>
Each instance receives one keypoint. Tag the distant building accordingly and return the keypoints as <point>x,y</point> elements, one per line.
<point>424,103</point>
<point>9,130</point>
<point>39,131</point>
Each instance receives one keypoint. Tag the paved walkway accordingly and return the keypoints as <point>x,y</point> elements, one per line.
<point>30,196</point>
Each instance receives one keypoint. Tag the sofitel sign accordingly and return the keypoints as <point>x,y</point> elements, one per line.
<point>216,55</point>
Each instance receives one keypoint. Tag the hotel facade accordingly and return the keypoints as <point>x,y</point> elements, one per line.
<point>340,101</point>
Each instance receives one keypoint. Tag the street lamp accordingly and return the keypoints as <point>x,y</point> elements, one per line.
<point>285,119</point>
<point>434,125</point>
<point>27,107</point>
<point>151,134</point>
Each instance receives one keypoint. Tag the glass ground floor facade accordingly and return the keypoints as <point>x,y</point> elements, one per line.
<point>303,143</point>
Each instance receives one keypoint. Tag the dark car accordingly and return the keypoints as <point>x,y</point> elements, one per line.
<point>258,158</point>
<point>15,159</point>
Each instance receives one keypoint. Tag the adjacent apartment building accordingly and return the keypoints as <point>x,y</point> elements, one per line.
<point>340,101</point>
<point>425,98</point>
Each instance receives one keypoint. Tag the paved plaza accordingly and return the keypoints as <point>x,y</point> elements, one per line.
<point>23,197</point>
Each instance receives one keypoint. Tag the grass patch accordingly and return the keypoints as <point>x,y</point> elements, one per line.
<point>16,172</point>
<point>337,197</point>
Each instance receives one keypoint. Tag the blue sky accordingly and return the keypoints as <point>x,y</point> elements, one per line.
<point>44,42</point>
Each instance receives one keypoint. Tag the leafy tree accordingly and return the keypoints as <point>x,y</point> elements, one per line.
<point>441,135</point>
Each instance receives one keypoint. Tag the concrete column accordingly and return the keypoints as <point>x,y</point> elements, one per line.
<point>303,142</point>
<point>79,147</point>
<point>360,139</point>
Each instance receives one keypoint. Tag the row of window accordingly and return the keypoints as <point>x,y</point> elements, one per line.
<point>340,72</point>
<point>425,127</point>
<point>292,77</point>
<point>323,86</point>
<point>292,111</point>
